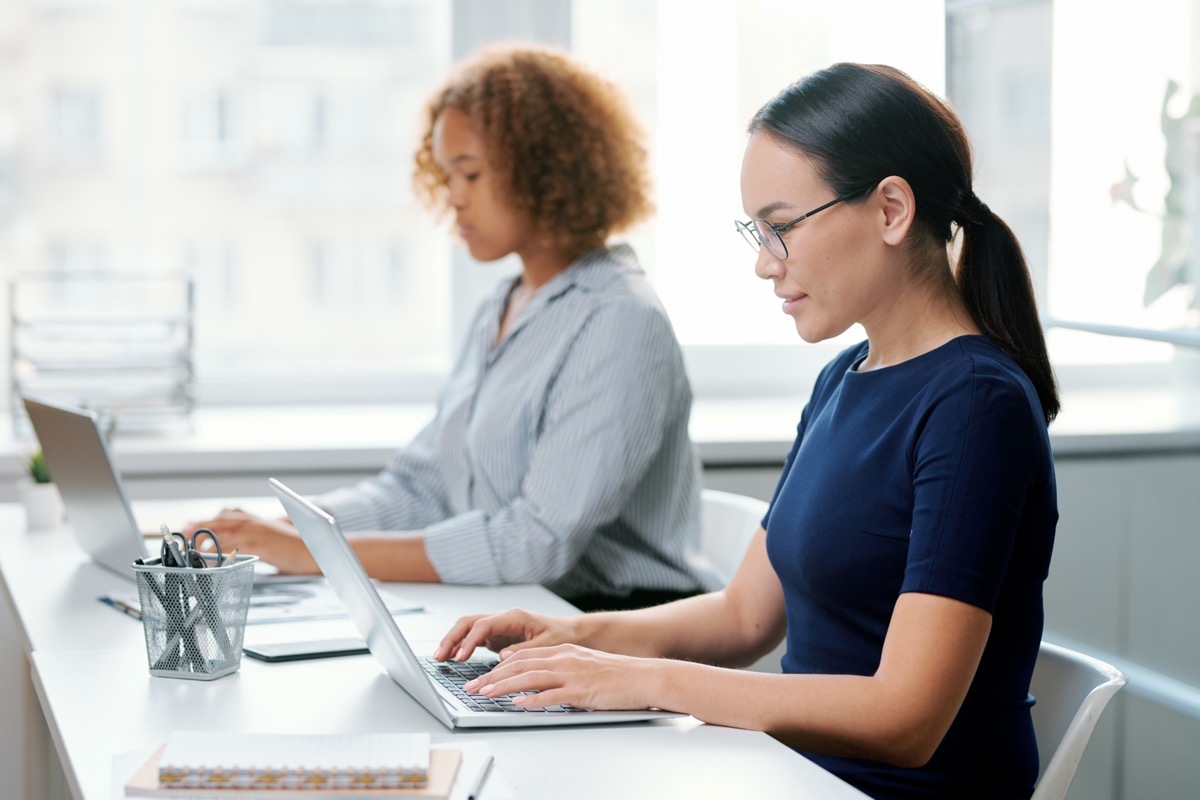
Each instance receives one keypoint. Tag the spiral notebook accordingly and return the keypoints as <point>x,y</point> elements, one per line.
<point>242,765</point>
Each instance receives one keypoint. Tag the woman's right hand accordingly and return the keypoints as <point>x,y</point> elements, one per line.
<point>505,633</point>
<point>275,541</point>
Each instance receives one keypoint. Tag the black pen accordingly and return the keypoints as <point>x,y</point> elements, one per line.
<point>481,778</point>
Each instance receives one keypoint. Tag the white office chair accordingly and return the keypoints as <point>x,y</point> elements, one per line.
<point>1072,690</point>
<point>728,523</point>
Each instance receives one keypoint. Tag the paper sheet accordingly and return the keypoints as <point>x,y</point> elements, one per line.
<point>474,756</point>
<point>292,602</point>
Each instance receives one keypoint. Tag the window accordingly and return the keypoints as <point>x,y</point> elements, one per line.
<point>266,152</point>
<point>1125,157</point>
<point>263,150</point>
<point>76,135</point>
<point>210,128</point>
<point>76,258</point>
<point>357,276</point>
<point>213,266</point>
<point>306,234</point>
<point>1085,126</point>
<point>698,85</point>
<point>1002,94</point>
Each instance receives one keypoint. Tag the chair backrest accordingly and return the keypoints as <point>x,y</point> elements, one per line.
<point>728,523</point>
<point>1071,690</point>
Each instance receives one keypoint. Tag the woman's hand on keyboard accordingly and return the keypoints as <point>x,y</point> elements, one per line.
<point>571,675</point>
<point>505,633</point>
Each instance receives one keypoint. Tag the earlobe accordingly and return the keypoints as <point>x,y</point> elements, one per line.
<point>898,205</point>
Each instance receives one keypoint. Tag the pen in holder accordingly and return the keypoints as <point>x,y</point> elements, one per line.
<point>195,618</point>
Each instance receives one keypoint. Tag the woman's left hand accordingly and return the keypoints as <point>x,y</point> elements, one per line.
<point>568,674</point>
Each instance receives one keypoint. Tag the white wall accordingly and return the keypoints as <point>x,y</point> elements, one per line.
<point>1123,581</point>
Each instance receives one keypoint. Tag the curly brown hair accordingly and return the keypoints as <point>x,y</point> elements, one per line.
<point>566,145</point>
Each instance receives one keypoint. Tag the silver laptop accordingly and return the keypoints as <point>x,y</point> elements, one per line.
<point>433,684</point>
<point>97,507</point>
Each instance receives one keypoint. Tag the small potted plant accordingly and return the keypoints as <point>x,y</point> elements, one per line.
<point>43,505</point>
<point>38,472</point>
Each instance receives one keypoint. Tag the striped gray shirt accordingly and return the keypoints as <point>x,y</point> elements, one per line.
<point>560,456</point>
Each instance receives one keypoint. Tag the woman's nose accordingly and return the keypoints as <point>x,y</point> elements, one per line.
<point>456,194</point>
<point>767,266</point>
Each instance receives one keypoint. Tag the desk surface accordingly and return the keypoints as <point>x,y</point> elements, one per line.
<point>89,671</point>
<point>54,589</point>
<point>136,712</point>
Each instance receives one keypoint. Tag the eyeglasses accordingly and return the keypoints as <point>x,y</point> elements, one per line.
<point>758,232</point>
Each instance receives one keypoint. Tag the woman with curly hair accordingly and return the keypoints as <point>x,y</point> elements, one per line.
<point>559,453</point>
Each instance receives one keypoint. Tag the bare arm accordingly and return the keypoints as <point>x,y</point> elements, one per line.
<point>899,715</point>
<point>385,556</point>
<point>731,627</point>
<point>399,557</point>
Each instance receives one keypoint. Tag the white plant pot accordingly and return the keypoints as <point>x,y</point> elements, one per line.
<point>43,505</point>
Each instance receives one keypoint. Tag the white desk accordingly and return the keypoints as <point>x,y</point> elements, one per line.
<point>135,712</point>
<point>53,589</point>
<point>99,701</point>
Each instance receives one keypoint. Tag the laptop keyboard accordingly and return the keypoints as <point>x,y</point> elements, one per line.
<point>453,674</point>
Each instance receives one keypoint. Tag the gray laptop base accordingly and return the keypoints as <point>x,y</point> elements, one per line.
<point>349,580</point>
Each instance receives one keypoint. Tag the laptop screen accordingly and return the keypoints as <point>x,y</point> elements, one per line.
<point>91,489</point>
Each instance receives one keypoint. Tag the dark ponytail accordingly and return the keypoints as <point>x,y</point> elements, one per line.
<point>994,281</point>
<point>862,123</point>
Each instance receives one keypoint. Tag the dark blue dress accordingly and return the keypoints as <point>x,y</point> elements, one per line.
<point>935,476</point>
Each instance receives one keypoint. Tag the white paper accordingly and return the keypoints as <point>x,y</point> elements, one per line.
<point>474,759</point>
<point>295,602</point>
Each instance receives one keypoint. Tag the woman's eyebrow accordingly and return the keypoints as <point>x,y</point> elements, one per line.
<point>771,208</point>
<point>466,159</point>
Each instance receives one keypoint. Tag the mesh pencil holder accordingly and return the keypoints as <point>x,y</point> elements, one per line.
<point>194,619</point>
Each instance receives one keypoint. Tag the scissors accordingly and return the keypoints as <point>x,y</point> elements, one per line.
<point>185,599</point>
<point>189,555</point>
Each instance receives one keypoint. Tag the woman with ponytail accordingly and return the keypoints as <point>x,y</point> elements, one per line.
<point>905,549</point>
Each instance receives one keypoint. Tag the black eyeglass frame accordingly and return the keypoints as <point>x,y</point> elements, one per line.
<point>752,235</point>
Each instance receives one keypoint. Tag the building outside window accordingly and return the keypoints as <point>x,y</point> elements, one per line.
<point>76,124</point>
<point>263,147</point>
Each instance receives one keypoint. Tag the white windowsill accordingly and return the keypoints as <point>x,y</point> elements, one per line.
<point>727,432</point>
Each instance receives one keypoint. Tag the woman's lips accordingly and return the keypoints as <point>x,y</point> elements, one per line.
<point>792,302</point>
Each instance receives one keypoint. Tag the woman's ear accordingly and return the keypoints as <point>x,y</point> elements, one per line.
<point>898,205</point>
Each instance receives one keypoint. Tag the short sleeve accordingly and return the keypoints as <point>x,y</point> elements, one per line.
<point>977,460</point>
